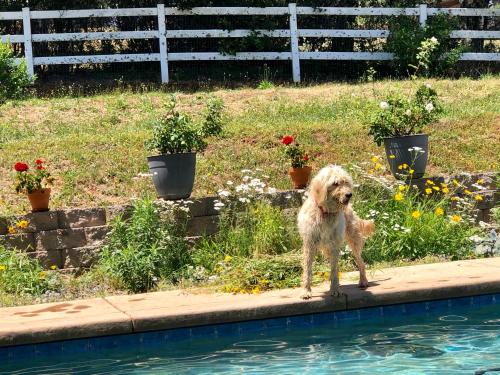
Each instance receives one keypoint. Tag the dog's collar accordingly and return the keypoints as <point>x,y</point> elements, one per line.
<point>324,213</point>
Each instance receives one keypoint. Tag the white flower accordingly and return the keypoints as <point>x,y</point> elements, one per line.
<point>229,183</point>
<point>288,196</point>
<point>429,107</point>
<point>272,190</point>
<point>244,200</point>
<point>428,85</point>
<point>224,193</point>
<point>246,171</point>
<point>384,105</point>
<point>408,112</point>
<point>185,209</point>
<point>434,40</point>
<point>246,178</point>
<point>219,204</point>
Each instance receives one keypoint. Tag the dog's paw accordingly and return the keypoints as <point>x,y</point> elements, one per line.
<point>363,284</point>
<point>336,293</point>
<point>306,295</point>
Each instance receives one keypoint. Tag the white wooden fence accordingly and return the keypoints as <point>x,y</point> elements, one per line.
<point>292,11</point>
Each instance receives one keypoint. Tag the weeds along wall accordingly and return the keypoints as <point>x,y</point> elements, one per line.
<point>230,70</point>
<point>73,239</point>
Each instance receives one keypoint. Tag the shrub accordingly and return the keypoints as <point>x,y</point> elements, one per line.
<point>178,133</point>
<point>408,39</point>
<point>22,275</point>
<point>14,77</point>
<point>147,247</point>
<point>411,225</point>
<point>403,115</point>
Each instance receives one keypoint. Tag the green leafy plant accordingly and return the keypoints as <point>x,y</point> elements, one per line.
<point>409,41</point>
<point>14,78</point>
<point>31,179</point>
<point>22,275</point>
<point>147,247</point>
<point>177,132</point>
<point>402,115</point>
<point>294,152</point>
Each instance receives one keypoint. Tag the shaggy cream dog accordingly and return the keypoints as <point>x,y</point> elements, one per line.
<point>325,220</point>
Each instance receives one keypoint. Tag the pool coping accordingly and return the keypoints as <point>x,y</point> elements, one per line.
<point>180,309</point>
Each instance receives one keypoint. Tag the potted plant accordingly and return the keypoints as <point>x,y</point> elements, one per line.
<point>398,123</point>
<point>33,182</point>
<point>177,138</point>
<point>299,171</point>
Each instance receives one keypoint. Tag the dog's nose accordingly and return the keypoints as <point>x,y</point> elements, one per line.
<point>348,195</point>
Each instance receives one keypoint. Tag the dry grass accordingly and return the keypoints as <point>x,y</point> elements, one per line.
<point>94,145</point>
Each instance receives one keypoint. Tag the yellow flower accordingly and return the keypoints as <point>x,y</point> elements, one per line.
<point>468,192</point>
<point>428,191</point>
<point>392,156</point>
<point>22,224</point>
<point>439,211</point>
<point>2,268</point>
<point>53,267</point>
<point>340,275</point>
<point>398,197</point>
<point>429,182</point>
<point>444,185</point>
<point>256,290</point>
<point>456,183</point>
<point>416,214</point>
<point>445,190</point>
<point>480,181</point>
<point>374,159</point>
<point>402,187</point>
<point>403,166</point>
<point>228,258</point>
<point>478,197</point>
<point>42,275</point>
<point>11,230</point>
<point>436,188</point>
<point>411,171</point>
<point>456,218</point>
<point>455,198</point>
<point>378,166</point>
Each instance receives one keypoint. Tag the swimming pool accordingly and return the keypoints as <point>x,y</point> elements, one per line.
<point>455,336</point>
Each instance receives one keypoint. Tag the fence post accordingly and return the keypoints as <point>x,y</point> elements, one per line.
<point>294,42</point>
<point>423,15</point>
<point>162,37</point>
<point>28,45</point>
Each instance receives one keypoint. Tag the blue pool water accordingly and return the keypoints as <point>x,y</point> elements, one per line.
<point>456,336</point>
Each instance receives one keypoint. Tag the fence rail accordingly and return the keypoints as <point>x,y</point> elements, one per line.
<point>293,33</point>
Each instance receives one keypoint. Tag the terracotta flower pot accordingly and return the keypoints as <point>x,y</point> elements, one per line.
<point>39,200</point>
<point>300,176</point>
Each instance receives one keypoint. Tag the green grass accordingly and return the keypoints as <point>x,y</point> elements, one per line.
<point>95,145</point>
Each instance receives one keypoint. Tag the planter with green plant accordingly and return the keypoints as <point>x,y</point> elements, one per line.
<point>299,171</point>
<point>177,138</point>
<point>398,124</point>
<point>33,182</point>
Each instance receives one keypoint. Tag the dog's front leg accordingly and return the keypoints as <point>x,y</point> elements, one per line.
<point>334,271</point>
<point>308,259</point>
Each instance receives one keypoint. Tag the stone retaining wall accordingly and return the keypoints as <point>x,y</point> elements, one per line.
<point>71,239</point>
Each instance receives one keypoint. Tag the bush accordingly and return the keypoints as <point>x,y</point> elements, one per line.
<point>21,275</point>
<point>14,78</point>
<point>178,133</point>
<point>408,38</point>
<point>147,247</point>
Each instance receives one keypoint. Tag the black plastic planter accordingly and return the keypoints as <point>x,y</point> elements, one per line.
<point>399,147</point>
<point>173,174</point>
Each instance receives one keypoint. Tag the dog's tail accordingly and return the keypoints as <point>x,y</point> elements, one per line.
<point>366,227</point>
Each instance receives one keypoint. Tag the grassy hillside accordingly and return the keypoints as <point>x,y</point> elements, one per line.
<point>94,145</point>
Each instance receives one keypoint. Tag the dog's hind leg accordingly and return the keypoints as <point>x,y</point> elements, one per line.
<point>356,242</point>
<point>334,271</point>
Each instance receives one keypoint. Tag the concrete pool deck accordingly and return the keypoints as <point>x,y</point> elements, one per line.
<point>175,309</point>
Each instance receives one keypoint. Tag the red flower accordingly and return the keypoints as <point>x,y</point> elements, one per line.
<point>306,157</point>
<point>38,161</point>
<point>40,167</point>
<point>21,167</point>
<point>287,139</point>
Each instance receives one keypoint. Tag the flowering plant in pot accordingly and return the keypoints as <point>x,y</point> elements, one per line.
<point>33,181</point>
<point>299,171</point>
<point>398,124</point>
<point>177,138</point>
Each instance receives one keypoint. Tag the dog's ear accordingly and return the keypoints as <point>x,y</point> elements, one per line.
<point>318,191</point>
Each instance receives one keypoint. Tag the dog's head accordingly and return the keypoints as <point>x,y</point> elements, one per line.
<point>331,188</point>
